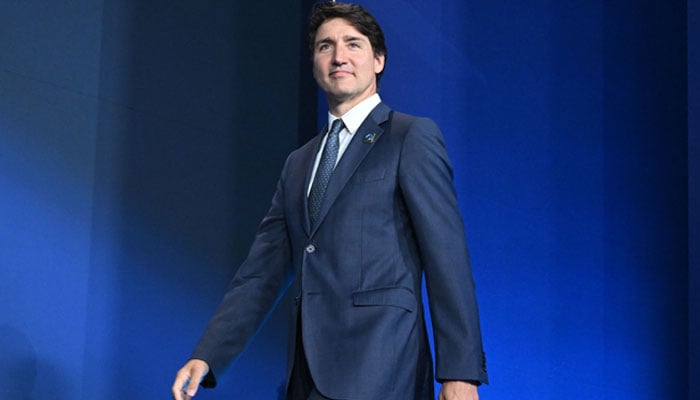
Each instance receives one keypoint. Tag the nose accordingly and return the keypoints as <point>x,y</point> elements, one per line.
<point>339,56</point>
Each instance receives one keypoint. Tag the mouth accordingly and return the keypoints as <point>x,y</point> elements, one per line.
<point>339,73</point>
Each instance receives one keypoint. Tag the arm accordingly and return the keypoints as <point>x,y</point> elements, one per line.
<point>250,295</point>
<point>425,177</point>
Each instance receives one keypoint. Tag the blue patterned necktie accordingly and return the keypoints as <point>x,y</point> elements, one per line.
<point>324,171</point>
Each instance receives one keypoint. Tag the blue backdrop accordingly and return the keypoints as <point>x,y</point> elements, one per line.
<point>137,154</point>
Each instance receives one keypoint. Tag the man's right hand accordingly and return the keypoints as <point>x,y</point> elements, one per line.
<point>188,378</point>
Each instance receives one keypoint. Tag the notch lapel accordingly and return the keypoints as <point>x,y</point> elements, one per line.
<point>311,160</point>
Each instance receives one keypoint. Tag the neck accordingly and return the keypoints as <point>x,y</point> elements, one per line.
<point>338,107</point>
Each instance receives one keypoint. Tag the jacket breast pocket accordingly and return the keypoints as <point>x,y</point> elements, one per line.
<point>370,175</point>
<point>399,296</point>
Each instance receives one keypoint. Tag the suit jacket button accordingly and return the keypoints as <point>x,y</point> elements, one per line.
<point>310,248</point>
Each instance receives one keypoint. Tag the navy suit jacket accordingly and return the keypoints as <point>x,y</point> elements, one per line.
<point>389,217</point>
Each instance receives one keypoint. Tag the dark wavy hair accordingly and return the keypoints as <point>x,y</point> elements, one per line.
<point>357,16</point>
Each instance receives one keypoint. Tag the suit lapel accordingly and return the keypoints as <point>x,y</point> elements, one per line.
<point>358,148</point>
<point>314,148</point>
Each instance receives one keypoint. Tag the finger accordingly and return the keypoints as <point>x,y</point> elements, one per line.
<point>190,387</point>
<point>177,392</point>
<point>179,386</point>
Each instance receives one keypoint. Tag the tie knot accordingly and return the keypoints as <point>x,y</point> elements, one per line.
<point>337,126</point>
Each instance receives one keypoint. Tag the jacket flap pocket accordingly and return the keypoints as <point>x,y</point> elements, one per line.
<point>391,296</point>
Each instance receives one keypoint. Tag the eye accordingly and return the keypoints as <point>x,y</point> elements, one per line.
<point>354,45</point>
<point>323,47</point>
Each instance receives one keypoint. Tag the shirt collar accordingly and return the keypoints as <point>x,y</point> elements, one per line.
<point>354,118</point>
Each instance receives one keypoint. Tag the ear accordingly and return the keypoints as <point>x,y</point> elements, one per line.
<point>379,63</point>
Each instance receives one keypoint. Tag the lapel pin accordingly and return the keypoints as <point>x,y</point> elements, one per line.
<point>369,138</point>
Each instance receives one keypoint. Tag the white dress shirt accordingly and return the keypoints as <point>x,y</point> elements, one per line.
<point>352,120</point>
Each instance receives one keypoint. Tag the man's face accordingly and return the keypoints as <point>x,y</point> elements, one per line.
<point>344,63</point>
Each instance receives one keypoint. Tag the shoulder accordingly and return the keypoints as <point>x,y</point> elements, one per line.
<point>401,120</point>
<point>413,127</point>
<point>298,160</point>
<point>307,148</point>
<point>421,139</point>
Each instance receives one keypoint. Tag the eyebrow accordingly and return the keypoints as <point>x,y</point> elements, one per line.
<point>346,38</point>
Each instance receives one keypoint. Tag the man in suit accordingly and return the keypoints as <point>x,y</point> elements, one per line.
<point>361,212</point>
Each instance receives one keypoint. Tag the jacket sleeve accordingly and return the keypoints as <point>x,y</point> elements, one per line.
<point>251,293</point>
<point>426,181</point>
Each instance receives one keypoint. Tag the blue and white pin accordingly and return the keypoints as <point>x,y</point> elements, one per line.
<point>369,138</point>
